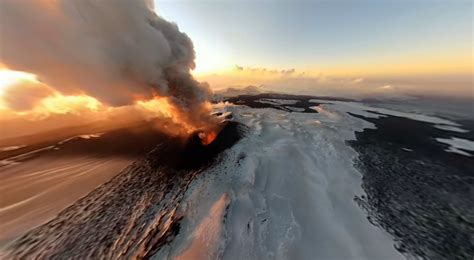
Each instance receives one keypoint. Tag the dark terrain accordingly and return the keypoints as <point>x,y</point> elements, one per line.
<point>133,214</point>
<point>418,192</point>
<point>303,103</point>
<point>415,190</point>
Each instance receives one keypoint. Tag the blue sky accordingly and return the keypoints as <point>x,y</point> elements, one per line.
<point>309,34</point>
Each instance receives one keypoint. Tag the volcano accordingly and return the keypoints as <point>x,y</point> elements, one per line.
<point>137,207</point>
<point>286,177</point>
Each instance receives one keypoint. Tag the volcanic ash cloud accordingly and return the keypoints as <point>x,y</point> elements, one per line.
<point>118,52</point>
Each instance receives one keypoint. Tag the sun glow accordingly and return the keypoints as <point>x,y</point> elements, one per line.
<point>171,120</point>
<point>54,103</point>
<point>59,104</point>
<point>174,122</point>
<point>157,105</point>
<point>11,77</point>
<point>168,117</point>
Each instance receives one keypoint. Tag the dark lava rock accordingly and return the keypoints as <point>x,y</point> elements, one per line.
<point>135,213</point>
<point>197,154</point>
<point>302,104</point>
<point>192,154</point>
<point>421,194</point>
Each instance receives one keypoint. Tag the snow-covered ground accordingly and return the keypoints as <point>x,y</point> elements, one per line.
<point>456,144</point>
<point>289,187</point>
<point>34,192</point>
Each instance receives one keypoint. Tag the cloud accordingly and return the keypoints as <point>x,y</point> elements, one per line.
<point>357,80</point>
<point>386,87</point>
<point>24,96</point>
<point>262,70</point>
<point>349,86</point>
<point>117,52</point>
<point>236,91</point>
<point>305,83</point>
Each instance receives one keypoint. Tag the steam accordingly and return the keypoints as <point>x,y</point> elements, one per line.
<point>115,51</point>
<point>25,96</point>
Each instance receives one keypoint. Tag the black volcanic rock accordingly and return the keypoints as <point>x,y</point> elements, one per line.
<point>196,154</point>
<point>135,213</point>
<point>418,192</point>
<point>303,103</point>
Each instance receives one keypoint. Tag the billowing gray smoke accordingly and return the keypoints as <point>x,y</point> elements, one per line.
<point>116,51</point>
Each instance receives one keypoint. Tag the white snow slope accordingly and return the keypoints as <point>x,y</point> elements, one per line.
<point>289,190</point>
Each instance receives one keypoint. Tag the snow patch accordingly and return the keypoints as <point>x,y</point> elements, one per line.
<point>296,109</point>
<point>24,156</point>
<point>11,148</point>
<point>457,145</point>
<point>451,128</point>
<point>208,233</point>
<point>278,101</point>
<point>368,111</point>
<point>86,136</point>
<point>291,184</point>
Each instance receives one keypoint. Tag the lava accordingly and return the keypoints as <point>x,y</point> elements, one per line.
<point>207,138</point>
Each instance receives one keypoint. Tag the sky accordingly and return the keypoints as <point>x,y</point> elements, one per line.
<point>394,49</point>
<point>349,48</point>
<point>366,37</point>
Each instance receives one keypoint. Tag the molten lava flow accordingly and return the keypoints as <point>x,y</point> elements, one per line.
<point>207,138</point>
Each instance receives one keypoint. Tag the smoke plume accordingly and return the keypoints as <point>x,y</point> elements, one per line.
<point>115,51</point>
<point>25,96</point>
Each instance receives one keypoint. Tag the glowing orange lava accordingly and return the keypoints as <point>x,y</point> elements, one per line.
<point>207,138</point>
